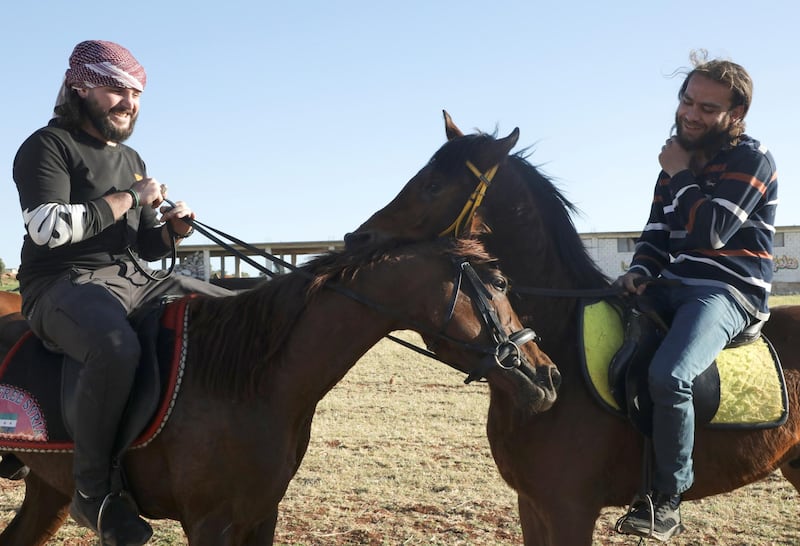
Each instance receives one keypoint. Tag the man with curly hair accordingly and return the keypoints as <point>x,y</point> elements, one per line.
<point>710,230</point>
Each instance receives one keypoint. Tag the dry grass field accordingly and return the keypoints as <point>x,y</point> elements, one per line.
<point>399,456</point>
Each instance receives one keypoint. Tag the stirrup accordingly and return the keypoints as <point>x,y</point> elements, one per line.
<point>639,500</point>
<point>137,535</point>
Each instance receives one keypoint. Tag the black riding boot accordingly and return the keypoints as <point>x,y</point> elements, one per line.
<point>102,395</point>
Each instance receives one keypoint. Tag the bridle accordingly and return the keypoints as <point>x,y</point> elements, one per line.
<point>464,218</point>
<point>505,352</point>
<point>476,197</point>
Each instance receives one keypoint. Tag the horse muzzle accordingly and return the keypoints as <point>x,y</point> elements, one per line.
<point>535,388</point>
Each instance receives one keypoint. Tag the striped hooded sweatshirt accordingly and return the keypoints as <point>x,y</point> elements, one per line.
<point>716,228</point>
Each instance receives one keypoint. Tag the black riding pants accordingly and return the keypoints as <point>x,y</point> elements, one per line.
<point>85,316</point>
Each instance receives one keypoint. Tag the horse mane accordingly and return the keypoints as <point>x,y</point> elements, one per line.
<point>554,211</point>
<point>452,155</point>
<point>236,340</point>
<point>547,215</point>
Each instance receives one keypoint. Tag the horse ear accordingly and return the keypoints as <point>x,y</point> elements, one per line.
<point>498,149</point>
<point>450,128</point>
<point>505,145</point>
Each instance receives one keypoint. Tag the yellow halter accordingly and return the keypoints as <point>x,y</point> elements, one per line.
<point>474,201</point>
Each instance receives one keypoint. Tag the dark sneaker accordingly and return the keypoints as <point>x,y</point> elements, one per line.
<point>12,468</point>
<point>663,523</point>
<point>114,518</point>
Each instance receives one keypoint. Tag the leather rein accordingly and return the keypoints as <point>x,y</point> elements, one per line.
<point>504,353</point>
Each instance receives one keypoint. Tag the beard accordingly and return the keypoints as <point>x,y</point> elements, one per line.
<point>714,139</point>
<point>100,120</point>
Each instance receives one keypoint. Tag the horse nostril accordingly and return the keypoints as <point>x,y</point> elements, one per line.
<point>555,378</point>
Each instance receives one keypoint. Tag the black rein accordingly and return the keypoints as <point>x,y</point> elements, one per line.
<point>506,346</point>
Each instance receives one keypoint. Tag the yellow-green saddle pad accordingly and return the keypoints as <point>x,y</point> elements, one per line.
<point>752,391</point>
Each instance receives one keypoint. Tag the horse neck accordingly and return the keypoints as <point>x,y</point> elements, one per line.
<point>10,302</point>
<point>327,341</point>
<point>335,331</point>
<point>530,254</point>
<point>548,316</point>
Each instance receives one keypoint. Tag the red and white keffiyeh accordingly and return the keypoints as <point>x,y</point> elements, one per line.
<point>98,63</point>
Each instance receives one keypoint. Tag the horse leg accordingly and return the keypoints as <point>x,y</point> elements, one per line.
<point>563,523</point>
<point>220,531</point>
<point>534,529</point>
<point>264,533</point>
<point>791,468</point>
<point>41,515</point>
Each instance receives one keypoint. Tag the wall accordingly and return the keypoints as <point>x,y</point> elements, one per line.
<point>604,249</point>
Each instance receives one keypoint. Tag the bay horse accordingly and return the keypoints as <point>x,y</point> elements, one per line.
<point>568,463</point>
<point>260,361</point>
<point>10,302</point>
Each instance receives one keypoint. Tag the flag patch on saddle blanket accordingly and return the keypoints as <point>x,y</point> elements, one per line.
<point>751,391</point>
<point>31,417</point>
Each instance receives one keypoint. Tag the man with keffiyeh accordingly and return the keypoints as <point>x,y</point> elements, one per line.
<point>90,212</point>
<point>710,230</point>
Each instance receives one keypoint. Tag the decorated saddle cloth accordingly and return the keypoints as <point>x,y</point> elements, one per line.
<point>35,385</point>
<point>744,387</point>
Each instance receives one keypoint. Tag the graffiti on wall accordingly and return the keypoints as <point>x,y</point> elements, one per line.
<point>785,262</point>
<point>780,262</point>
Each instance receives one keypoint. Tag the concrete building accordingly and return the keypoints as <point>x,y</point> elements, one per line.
<point>613,252</point>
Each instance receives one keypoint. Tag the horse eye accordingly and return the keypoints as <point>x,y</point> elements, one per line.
<point>500,283</point>
<point>433,188</point>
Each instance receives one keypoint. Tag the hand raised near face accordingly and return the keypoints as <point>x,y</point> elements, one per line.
<point>674,158</point>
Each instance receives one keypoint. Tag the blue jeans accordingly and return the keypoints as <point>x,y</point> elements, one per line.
<point>704,319</point>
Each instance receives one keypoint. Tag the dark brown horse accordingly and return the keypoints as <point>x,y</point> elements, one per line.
<point>259,363</point>
<point>10,302</point>
<point>570,462</point>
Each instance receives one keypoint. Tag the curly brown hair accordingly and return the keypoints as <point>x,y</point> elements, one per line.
<point>734,76</point>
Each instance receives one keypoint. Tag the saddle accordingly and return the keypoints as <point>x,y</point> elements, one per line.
<point>37,386</point>
<point>644,331</point>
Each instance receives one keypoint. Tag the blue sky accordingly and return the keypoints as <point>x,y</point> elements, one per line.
<point>295,121</point>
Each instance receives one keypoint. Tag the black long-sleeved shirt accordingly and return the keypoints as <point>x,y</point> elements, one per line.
<point>62,177</point>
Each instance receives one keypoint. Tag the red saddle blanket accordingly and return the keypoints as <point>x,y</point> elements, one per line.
<point>32,378</point>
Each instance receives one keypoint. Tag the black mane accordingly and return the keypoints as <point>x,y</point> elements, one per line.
<point>545,218</point>
<point>452,155</point>
<point>555,212</point>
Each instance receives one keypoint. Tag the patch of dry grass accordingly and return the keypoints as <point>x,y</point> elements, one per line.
<point>399,455</point>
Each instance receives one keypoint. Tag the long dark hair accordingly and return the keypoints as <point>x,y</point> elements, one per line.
<point>70,111</point>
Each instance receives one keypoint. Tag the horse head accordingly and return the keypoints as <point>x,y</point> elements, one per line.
<point>526,221</point>
<point>479,320</point>
<point>453,294</point>
<point>432,203</point>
